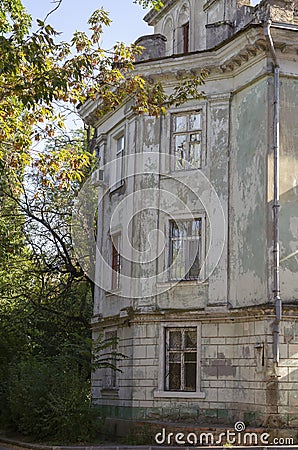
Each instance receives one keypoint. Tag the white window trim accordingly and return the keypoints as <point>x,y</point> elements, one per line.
<point>116,233</point>
<point>113,142</point>
<point>174,133</point>
<point>161,392</point>
<point>202,106</point>
<point>170,43</point>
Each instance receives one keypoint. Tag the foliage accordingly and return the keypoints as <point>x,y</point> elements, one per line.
<point>39,71</point>
<point>45,298</point>
<point>47,401</point>
<point>157,4</point>
<point>46,305</point>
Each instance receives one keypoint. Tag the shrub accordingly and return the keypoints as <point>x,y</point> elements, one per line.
<point>48,401</point>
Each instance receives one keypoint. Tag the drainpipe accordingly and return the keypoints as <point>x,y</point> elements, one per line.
<point>276,205</point>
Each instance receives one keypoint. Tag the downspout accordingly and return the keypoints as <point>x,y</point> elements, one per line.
<point>276,205</point>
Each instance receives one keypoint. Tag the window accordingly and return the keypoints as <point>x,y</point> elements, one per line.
<point>116,261</point>
<point>183,29</point>
<point>119,159</point>
<point>185,256</point>
<point>185,37</point>
<point>168,32</point>
<point>187,140</point>
<point>181,359</point>
<point>117,167</point>
<point>109,381</point>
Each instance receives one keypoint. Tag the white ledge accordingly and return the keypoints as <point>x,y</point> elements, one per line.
<point>179,394</point>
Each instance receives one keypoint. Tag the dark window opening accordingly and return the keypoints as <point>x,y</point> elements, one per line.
<point>116,262</point>
<point>185,37</point>
<point>181,359</point>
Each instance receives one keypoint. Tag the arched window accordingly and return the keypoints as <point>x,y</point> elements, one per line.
<point>168,32</point>
<point>183,35</point>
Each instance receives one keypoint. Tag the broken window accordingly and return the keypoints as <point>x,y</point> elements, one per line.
<point>116,261</point>
<point>187,140</point>
<point>185,257</point>
<point>181,359</point>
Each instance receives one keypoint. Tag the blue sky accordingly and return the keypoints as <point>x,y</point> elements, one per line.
<point>72,15</point>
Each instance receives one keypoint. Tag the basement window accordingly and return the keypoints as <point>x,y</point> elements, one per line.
<point>181,359</point>
<point>179,363</point>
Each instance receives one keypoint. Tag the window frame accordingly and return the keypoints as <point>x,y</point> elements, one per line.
<point>188,132</point>
<point>181,360</point>
<point>162,391</point>
<point>116,238</point>
<point>118,155</point>
<point>185,36</point>
<point>199,216</point>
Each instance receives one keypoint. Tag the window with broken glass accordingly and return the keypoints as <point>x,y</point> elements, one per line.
<point>185,249</point>
<point>181,359</point>
<point>187,140</point>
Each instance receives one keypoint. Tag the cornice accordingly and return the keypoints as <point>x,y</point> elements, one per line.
<point>154,15</point>
<point>225,58</point>
<point>204,315</point>
<point>236,54</point>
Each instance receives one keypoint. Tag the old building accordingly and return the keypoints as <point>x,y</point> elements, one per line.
<point>194,209</point>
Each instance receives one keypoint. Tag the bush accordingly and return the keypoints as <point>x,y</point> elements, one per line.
<point>47,401</point>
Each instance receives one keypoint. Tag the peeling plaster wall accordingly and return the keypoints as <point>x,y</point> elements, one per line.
<point>288,372</point>
<point>289,189</point>
<point>236,356</point>
<point>248,237</point>
<point>235,346</point>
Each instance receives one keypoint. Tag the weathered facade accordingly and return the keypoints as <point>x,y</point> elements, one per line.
<point>203,337</point>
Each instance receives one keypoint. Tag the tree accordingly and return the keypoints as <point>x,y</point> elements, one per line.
<point>46,305</point>
<point>37,71</point>
<point>46,300</point>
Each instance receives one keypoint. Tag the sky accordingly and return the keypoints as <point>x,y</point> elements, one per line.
<point>73,15</point>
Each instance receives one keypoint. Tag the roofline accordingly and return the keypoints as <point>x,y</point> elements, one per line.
<point>286,26</point>
<point>154,15</point>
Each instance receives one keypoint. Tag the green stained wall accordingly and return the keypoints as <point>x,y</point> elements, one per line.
<point>289,188</point>
<point>248,174</point>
